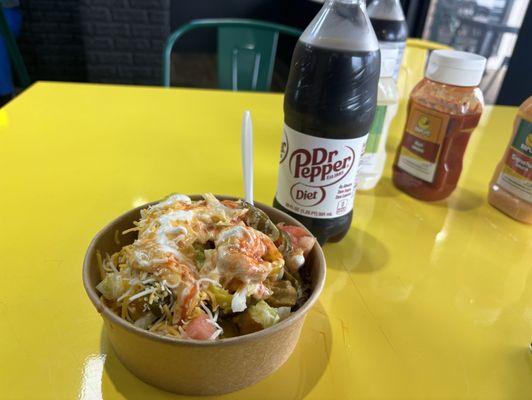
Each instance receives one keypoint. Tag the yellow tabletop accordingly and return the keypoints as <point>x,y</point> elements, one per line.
<point>421,300</point>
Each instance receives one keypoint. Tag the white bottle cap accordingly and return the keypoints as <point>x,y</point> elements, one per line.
<point>388,60</point>
<point>457,68</point>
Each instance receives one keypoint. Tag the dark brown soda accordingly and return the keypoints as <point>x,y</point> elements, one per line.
<point>390,31</point>
<point>330,94</point>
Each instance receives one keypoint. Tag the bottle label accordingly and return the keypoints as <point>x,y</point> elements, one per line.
<point>317,176</point>
<point>516,175</point>
<point>422,141</point>
<point>399,48</point>
<point>369,159</point>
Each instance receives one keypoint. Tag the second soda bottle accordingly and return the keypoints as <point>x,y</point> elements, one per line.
<point>329,105</point>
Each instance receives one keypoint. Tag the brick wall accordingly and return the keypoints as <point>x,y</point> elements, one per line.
<point>51,40</point>
<point>124,39</point>
<point>117,41</point>
<point>121,41</point>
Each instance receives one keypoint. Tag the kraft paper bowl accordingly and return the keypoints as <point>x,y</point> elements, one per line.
<point>197,367</point>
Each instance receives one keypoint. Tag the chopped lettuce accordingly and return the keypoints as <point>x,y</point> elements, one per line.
<point>112,286</point>
<point>263,314</point>
<point>222,298</point>
<point>238,303</point>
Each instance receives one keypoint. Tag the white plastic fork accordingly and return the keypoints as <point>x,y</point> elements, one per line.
<point>247,156</point>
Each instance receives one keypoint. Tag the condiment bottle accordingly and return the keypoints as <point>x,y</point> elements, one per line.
<point>329,105</point>
<point>443,109</point>
<point>511,185</point>
<point>389,23</point>
<point>372,163</point>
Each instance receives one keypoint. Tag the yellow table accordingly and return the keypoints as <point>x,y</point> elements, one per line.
<point>421,300</point>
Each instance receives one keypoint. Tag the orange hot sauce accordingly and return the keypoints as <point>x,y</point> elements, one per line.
<point>511,185</point>
<point>443,110</point>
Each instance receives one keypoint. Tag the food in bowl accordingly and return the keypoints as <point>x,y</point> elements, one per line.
<point>207,269</point>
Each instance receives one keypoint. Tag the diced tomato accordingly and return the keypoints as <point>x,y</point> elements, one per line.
<point>230,203</point>
<point>300,238</point>
<point>199,328</point>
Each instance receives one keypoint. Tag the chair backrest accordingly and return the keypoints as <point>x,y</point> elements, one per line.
<point>246,51</point>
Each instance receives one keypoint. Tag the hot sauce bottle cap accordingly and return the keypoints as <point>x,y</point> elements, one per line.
<point>457,68</point>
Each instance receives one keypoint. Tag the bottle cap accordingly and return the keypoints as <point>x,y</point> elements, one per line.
<point>388,61</point>
<point>389,10</point>
<point>457,68</point>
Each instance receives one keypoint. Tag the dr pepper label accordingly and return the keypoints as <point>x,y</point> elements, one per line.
<point>317,176</point>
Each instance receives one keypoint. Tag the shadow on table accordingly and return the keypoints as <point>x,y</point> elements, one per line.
<point>294,380</point>
<point>460,200</point>
<point>520,356</point>
<point>384,188</point>
<point>527,355</point>
<point>358,252</point>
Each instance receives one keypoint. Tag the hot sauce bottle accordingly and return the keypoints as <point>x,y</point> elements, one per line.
<point>443,109</point>
<point>511,185</point>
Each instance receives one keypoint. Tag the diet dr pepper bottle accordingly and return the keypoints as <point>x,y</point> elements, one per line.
<point>329,105</point>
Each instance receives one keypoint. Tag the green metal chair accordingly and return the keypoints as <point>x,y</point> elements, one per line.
<point>246,51</point>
